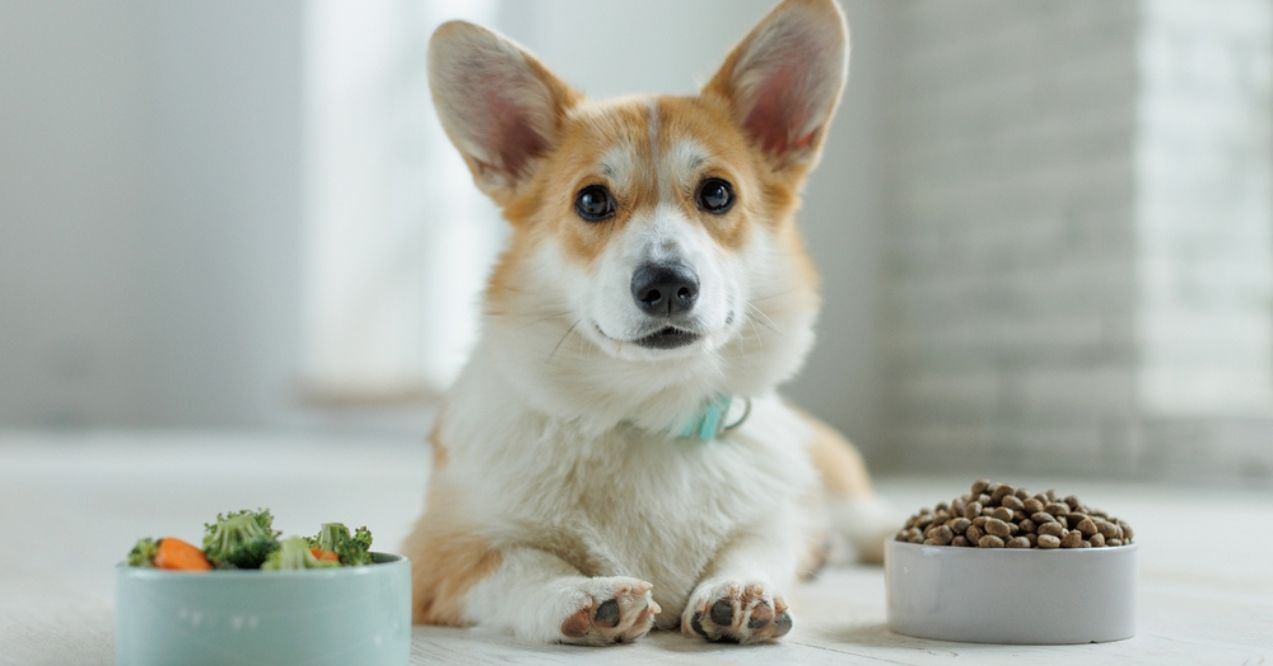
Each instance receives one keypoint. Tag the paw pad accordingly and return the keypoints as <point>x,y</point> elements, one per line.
<point>617,610</point>
<point>733,613</point>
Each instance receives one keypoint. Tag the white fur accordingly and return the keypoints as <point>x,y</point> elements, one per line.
<point>619,164</point>
<point>660,235</point>
<point>682,164</point>
<point>564,442</point>
<point>620,500</point>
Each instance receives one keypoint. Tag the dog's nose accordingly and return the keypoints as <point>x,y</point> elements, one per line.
<point>664,289</point>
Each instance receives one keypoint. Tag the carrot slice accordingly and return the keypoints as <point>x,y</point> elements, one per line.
<point>321,554</point>
<point>178,555</point>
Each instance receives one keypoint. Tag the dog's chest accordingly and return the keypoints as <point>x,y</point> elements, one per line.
<point>651,507</point>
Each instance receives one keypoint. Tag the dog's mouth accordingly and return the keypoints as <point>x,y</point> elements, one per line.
<point>668,337</point>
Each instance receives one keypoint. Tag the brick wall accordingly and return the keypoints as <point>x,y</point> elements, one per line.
<point>1049,281</point>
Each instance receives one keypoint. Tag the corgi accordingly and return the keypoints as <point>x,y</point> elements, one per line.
<point>614,458</point>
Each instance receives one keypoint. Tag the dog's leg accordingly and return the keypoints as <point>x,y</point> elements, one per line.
<point>541,598</point>
<point>855,511</point>
<point>460,579</point>
<point>739,599</point>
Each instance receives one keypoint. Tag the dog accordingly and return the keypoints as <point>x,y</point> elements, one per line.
<point>614,458</point>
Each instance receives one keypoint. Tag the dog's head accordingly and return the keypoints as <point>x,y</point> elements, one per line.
<point>653,239</point>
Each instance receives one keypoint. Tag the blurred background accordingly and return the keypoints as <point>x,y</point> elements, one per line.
<point>1045,227</point>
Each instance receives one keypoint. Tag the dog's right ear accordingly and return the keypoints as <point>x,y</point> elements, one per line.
<point>499,105</point>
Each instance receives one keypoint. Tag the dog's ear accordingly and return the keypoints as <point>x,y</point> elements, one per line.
<point>499,105</point>
<point>783,80</point>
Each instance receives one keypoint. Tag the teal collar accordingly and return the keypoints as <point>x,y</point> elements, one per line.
<point>708,422</point>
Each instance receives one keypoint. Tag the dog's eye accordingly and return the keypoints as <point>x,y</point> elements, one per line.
<point>594,203</point>
<point>715,196</point>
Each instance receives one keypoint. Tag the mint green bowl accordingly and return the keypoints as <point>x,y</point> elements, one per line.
<point>350,615</point>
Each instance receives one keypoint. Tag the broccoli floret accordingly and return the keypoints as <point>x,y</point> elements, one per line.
<point>143,554</point>
<point>240,540</point>
<point>294,553</point>
<point>352,550</point>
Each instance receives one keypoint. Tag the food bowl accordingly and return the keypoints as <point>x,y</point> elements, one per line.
<point>347,615</point>
<point>1009,595</point>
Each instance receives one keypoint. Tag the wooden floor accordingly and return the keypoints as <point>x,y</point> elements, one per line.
<point>71,506</point>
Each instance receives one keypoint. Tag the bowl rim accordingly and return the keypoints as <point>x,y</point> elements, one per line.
<point>1010,552</point>
<point>382,561</point>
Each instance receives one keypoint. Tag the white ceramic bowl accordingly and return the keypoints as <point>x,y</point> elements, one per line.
<point>1010,595</point>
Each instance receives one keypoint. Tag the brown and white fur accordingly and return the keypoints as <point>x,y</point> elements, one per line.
<point>561,506</point>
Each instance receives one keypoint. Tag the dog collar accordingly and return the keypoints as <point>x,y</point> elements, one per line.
<point>709,422</point>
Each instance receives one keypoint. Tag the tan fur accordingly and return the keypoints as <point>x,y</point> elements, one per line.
<point>544,206</point>
<point>839,465</point>
<point>447,558</point>
<point>440,455</point>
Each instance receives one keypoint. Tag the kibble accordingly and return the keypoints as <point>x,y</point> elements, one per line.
<point>1051,529</point>
<point>997,527</point>
<point>1000,493</point>
<point>999,515</point>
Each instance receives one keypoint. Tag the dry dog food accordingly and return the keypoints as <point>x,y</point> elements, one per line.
<point>997,515</point>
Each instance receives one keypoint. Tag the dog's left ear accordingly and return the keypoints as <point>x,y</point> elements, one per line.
<point>783,81</point>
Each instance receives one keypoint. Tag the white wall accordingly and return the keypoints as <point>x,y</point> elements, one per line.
<point>71,121</point>
<point>148,263</point>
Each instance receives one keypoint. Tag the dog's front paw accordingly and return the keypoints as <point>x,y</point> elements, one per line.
<point>735,612</point>
<point>610,610</point>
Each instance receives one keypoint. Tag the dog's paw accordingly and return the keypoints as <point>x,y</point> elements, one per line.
<point>735,612</point>
<point>610,610</point>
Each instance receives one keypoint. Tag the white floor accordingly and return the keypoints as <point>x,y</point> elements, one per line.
<point>70,506</point>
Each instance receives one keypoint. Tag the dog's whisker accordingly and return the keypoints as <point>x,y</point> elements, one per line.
<point>769,297</point>
<point>766,320</point>
<point>565,335</point>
